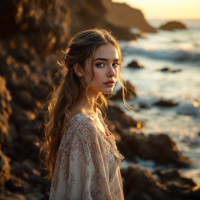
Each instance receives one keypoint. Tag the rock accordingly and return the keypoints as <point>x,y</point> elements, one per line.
<point>128,95</point>
<point>140,184</point>
<point>173,25</point>
<point>132,18</point>
<point>17,185</point>
<point>166,103</point>
<point>158,147</point>
<point>89,15</point>
<point>143,105</point>
<point>174,175</point>
<point>118,117</point>
<point>166,69</point>
<point>4,169</point>
<point>5,109</point>
<point>33,24</point>
<point>135,65</point>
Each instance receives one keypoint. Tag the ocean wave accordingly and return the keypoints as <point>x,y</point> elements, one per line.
<point>177,55</point>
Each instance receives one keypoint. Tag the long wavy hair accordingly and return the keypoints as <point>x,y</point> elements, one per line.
<point>69,90</point>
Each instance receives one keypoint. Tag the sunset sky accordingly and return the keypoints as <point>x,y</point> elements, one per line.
<point>170,9</point>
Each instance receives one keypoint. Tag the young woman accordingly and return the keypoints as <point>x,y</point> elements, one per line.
<point>81,155</point>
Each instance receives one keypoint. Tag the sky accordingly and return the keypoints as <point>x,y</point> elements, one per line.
<point>170,9</point>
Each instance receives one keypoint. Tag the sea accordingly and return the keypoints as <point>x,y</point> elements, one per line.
<point>177,50</point>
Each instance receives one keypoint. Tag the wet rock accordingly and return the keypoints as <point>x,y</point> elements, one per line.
<point>166,69</point>
<point>128,95</point>
<point>174,175</point>
<point>165,103</point>
<point>143,105</point>
<point>135,65</point>
<point>158,147</point>
<point>173,25</point>
<point>140,184</point>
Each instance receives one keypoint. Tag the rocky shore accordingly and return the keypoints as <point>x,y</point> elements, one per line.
<point>30,45</point>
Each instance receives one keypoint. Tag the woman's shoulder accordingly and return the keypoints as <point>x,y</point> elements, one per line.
<point>80,122</point>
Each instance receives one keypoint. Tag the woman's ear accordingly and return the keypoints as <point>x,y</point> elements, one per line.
<point>78,70</point>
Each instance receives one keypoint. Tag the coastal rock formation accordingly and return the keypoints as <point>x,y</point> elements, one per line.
<point>132,18</point>
<point>141,185</point>
<point>170,26</point>
<point>35,26</point>
<point>166,103</point>
<point>4,171</point>
<point>158,147</point>
<point>32,36</point>
<point>5,109</point>
<point>135,65</point>
<point>167,69</point>
<point>128,95</point>
<point>86,14</point>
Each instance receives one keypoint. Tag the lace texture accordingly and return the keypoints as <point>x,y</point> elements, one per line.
<point>87,164</point>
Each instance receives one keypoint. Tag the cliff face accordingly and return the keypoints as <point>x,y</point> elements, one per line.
<point>121,14</point>
<point>87,14</point>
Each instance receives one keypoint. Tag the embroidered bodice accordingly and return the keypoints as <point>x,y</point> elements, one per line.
<point>87,164</point>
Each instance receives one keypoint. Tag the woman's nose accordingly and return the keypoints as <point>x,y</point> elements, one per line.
<point>111,70</point>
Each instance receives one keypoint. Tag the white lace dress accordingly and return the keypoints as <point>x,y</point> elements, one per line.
<point>87,164</point>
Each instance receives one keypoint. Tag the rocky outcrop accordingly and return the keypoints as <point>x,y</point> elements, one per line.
<point>167,69</point>
<point>165,103</point>
<point>86,14</point>
<point>142,185</point>
<point>130,95</point>
<point>158,147</point>
<point>135,65</point>
<point>4,171</point>
<point>5,109</point>
<point>173,25</point>
<point>33,26</point>
<point>132,18</point>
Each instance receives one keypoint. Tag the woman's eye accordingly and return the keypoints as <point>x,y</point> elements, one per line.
<point>115,64</point>
<point>100,64</point>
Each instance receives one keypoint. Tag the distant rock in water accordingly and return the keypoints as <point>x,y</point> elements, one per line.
<point>135,64</point>
<point>128,95</point>
<point>166,103</point>
<point>121,14</point>
<point>166,69</point>
<point>173,25</point>
<point>142,185</point>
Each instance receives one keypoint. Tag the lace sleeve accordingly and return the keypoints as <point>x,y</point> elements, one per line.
<point>81,170</point>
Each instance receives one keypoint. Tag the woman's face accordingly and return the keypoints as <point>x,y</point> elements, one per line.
<point>105,66</point>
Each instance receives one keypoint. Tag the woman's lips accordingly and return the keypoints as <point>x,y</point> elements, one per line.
<point>109,84</point>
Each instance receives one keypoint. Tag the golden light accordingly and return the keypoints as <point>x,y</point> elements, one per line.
<point>139,125</point>
<point>196,103</point>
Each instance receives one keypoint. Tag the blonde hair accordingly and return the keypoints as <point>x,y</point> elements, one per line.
<point>69,90</point>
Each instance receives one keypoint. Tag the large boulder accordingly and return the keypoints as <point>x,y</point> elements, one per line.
<point>170,26</point>
<point>157,147</point>
<point>142,185</point>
